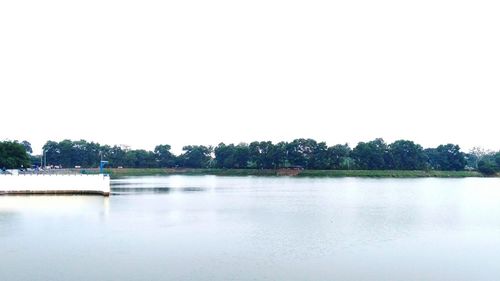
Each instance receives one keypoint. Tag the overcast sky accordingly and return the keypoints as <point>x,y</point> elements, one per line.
<point>143,73</point>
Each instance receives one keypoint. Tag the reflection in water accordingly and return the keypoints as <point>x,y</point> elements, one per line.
<point>252,228</point>
<point>133,190</point>
<point>175,182</point>
<point>121,190</point>
<point>54,204</point>
<point>7,222</point>
<point>162,184</point>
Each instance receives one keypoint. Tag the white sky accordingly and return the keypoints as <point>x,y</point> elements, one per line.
<point>143,73</point>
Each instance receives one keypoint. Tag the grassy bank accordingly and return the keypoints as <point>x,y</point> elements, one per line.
<point>119,173</point>
<point>389,173</point>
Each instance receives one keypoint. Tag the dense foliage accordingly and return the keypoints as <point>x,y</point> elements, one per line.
<point>299,153</point>
<point>489,164</point>
<point>14,155</point>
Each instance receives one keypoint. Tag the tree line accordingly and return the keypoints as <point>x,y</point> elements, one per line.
<point>299,153</point>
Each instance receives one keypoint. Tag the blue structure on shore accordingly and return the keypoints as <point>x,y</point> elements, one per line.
<point>101,166</point>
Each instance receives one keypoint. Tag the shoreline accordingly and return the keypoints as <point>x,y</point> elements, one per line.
<point>131,172</point>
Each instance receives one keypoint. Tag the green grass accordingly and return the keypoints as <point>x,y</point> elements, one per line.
<point>388,173</point>
<point>120,173</point>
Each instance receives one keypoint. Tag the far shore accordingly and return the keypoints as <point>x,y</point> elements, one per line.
<point>130,172</point>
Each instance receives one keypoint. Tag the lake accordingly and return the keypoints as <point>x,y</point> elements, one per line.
<point>257,228</point>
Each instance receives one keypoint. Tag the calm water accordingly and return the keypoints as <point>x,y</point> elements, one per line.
<point>250,228</point>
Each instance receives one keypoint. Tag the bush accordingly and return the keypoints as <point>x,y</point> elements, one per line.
<point>487,167</point>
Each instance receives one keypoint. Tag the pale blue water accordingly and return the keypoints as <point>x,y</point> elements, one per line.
<point>251,228</point>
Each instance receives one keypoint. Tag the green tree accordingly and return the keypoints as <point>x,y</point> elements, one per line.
<point>446,157</point>
<point>497,159</point>
<point>68,153</point>
<point>266,155</point>
<point>224,156</point>
<point>372,155</point>
<point>51,152</point>
<point>164,157</point>
<point>27,146</point>
<point>338,155</point>
<point>140,158</point>
<point>13,155</point>
<point>232,156</point>
<point>115,155</point>
<point>195,156</point>
<point>307,153</point>
<point>475,155</point>
<point>487,167</point>
<point>406,155</point>
<point>260,153</point>
<point>278,155</point>
<point>319,156</point>
<point>241,156</point>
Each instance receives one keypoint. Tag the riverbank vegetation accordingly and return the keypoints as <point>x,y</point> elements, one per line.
<point>127,172</point>
<point>13,155</point>
<point>313,157</point>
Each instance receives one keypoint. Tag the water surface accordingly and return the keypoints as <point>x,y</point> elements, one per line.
<point>257,228</point>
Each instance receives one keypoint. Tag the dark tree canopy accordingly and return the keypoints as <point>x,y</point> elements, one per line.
<point>164,157</point>
<point>373,155</point>
<point>69,153</point>
<point>266,155</point>
<point>406,155</point>
<point>489,163</point>
<point>447,158</point>
<point>305,153</point>
<point>195,156</point>
<point>232,156</point>
<point>497,159</point>
<point>27,146</point>
<point>13,155</point>
<point>487,167</point>
<point>338,157</point>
